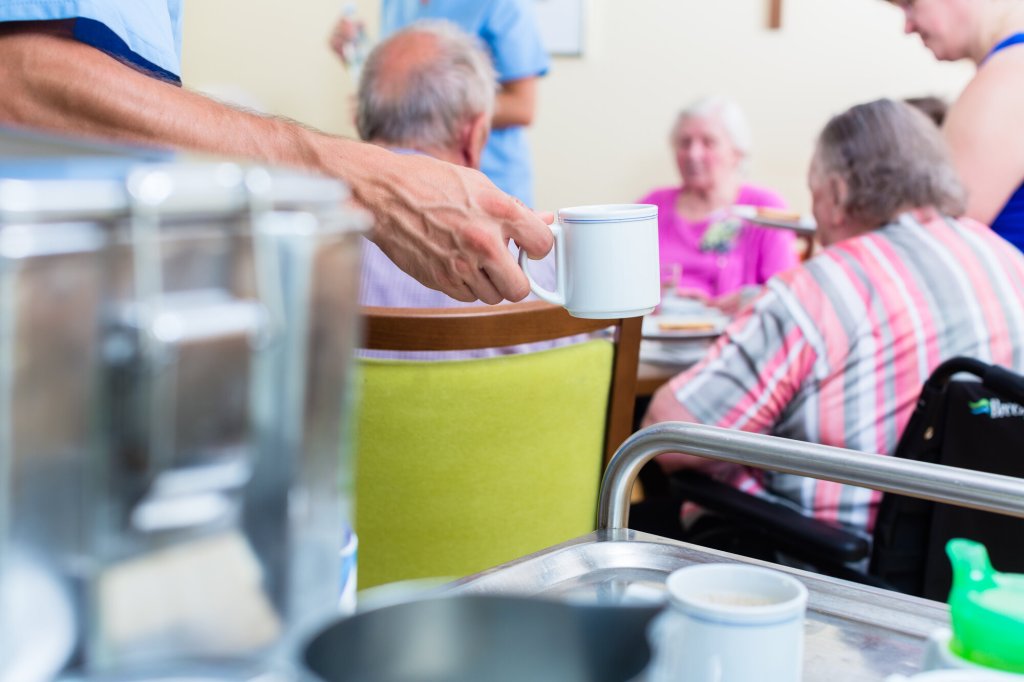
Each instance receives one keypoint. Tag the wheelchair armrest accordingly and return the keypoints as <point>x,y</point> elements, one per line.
<point>799,535</point>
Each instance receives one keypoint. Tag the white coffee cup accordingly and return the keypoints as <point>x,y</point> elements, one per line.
<point>730,623</point>
<point>606,261</point>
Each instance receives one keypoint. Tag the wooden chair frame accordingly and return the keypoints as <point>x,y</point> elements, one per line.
<point>445,329</point>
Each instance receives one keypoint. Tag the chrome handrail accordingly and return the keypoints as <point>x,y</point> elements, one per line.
<point>936,482</point>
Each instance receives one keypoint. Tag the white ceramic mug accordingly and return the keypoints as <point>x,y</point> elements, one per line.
<point>606,261</point>
<point>730,623</point>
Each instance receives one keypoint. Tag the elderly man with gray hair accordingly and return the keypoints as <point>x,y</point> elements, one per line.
<point>836,350</point>
<point>428,89</point>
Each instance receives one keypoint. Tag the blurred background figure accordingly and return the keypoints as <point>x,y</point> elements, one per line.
<point>509,31</point>
<point>836,350</point>
<point>934,108</point>
<point>985,126</point>
<point>428,89</point>
<point>717,256</point>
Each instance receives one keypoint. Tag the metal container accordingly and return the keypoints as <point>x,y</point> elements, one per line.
<point>483,637</point>
<point>174,350</point>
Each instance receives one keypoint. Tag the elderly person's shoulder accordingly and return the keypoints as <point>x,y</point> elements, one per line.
<point>979,228</point>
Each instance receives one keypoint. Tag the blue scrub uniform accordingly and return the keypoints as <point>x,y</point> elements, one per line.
<point>509,30</point>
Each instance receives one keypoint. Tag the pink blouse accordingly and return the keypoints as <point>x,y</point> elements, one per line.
<point>722,253</point>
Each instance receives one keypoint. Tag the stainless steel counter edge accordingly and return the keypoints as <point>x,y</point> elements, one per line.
<point>622,550</point>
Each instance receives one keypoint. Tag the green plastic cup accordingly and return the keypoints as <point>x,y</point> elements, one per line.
<point>987,609</point>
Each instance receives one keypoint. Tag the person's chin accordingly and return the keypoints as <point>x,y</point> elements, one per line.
<point>939,52</point>
<point>697,182</point>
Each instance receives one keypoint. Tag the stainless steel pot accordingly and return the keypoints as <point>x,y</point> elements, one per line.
<point>174,352</point>
<point>485,637</point>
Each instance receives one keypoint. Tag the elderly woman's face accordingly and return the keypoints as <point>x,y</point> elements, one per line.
<point>705,154</point>
<point>945,26</point>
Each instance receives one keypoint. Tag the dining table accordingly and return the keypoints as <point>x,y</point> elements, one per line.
<point>674,338</point>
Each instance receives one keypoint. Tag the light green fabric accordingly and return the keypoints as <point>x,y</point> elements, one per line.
<point>463,465</point>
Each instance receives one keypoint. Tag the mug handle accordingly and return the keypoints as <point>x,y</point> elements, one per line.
<point>558,296</point>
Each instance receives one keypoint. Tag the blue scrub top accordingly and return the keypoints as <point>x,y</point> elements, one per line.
<point>509,30</point>
<point>143,33</point>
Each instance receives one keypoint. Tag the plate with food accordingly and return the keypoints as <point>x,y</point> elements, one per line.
<point>680,353</point>
<point>667,327</point>
<point>776,217</point>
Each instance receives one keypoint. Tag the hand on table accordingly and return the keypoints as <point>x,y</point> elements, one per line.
<point>733,302</point>
<point>694,294</point>
<point>730,303</point>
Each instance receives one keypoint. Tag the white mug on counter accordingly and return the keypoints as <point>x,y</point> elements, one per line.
<point>730,623</point>
<point>606,260</point>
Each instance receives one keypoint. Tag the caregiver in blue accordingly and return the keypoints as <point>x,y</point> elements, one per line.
<point>111,70</point>
<point>508,29</point>
<point>985,126</point>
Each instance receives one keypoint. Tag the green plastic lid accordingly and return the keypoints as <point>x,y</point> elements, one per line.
<point>987,609</point>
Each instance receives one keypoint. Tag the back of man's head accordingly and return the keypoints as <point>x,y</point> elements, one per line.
<point>423,86</point>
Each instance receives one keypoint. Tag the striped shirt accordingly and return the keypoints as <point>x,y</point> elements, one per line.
<point>836,350</point>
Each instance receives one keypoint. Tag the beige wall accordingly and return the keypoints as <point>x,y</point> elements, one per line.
<point>602,126</point>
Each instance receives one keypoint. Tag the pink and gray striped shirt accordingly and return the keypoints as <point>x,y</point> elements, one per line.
<point>836,351</point>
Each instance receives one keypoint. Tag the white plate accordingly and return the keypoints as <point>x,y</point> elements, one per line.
<point>675,306</point>
<point>680,354</point>
<point>712,326</point>
<point>804,225</point>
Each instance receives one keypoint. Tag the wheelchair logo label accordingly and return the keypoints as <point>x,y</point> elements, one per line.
<point>996,408</point>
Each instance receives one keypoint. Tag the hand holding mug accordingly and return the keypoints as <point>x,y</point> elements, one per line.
<point>606,261</point>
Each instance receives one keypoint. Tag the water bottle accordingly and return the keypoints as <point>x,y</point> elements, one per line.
<point>356,50</point>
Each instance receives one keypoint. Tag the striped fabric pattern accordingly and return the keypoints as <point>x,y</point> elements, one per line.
<point>835,351</point>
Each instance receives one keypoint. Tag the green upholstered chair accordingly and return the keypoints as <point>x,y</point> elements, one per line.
<point>462,465</point>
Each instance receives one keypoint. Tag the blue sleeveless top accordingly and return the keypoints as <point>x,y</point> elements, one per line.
<point>1009,224</point>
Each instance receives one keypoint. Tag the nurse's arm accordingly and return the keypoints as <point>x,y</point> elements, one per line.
<point>515,103</point>
<point>982,131</point>
<point>446,226</point>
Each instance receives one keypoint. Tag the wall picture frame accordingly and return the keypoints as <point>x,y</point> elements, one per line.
<point>562,26</point>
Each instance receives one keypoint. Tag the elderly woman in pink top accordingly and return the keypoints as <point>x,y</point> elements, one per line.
<point>720,257</point>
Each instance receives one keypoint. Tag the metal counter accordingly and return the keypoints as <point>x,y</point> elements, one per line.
<point>853,632</point>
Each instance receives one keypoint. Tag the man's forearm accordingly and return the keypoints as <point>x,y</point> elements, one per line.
<point>58,84</point>
<point>446,226</point>
<point>515,103</point>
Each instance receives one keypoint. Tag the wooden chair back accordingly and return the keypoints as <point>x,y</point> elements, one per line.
<point>450,329</point>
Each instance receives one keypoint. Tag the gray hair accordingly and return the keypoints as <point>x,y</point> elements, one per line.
<point>427,104</point>
<point>891,157</point>
<point>727,112</point>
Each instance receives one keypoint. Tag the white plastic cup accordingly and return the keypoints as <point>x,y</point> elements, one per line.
<point>730,623</point>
